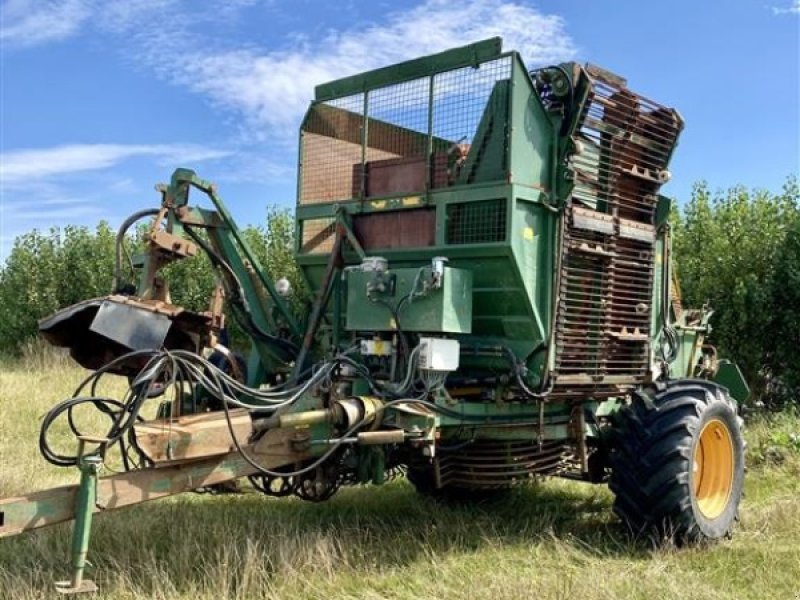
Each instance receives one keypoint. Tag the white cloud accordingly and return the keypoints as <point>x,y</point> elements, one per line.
<point>32,22</point>
<point>25,23</point>
<point>792,9</point>
<point>18,165</point>
<point>273,88</point>
<point>264,87</point>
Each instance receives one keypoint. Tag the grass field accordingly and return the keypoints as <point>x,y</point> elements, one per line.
<point>556,539</point>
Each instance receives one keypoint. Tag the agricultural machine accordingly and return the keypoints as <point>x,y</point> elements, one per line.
<point>492,299</point>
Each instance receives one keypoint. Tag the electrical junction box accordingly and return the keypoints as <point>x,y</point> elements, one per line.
<point>438,354</point>
<point>373,295</point>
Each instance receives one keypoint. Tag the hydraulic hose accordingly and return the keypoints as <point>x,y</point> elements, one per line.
<point>239,297</point>
<point>120,243</point>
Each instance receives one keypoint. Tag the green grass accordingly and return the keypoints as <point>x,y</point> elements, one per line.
<point>556,539</point>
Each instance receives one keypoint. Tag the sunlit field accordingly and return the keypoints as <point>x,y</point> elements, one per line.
<point>554,539</point>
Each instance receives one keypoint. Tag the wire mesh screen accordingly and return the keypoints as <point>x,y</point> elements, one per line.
<point>476,222</point>
<point>468,104</point>
<point>331,151</point>
<point>432,132</point>
<point>397,138</point>
<point>317,236</point>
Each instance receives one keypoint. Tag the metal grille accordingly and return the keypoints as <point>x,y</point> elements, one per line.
<point>331,151</point>
<point>476,222</point>
<point>317,236</point>
<point>465,101</point>
<point>486,464</point>
<point>460,98</point>
<point>397,138</point>
<point>608,248</point>
<point>433,131</point>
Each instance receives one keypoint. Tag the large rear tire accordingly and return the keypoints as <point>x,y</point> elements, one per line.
<point>677,462</point>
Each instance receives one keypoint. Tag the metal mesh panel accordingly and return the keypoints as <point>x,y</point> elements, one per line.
<point>317,236</point>
<point>330,167</point>
<point>468,111</point>
<point>397,138</point>
<point>462,100</point>
<point>476,222</point>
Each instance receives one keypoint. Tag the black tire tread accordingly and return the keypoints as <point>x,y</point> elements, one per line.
<point>650,458</point>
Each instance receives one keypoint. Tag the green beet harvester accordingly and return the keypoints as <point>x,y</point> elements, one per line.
<point>492,299</point>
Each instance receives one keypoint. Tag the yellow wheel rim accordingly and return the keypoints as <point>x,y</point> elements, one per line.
<point>712,469</point>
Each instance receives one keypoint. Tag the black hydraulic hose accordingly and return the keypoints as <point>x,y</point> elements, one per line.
<point>239,298</point>
<point>516,369</point>
<point>395,312</point>
<point>120,243</point>
<point>62,460</point>
<point>670,351</point>
<point>122,420</point>
<point>175,369</point>
<point>516,366</point>
<point>343,438</point>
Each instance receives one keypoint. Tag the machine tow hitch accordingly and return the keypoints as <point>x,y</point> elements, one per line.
<point>95,494</point>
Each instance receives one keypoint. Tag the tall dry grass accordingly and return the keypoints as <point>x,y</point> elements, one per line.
<point>554,540</point>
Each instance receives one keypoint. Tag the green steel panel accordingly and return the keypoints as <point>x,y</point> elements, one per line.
<point>730,376</point>
<point>533,243</point>
<point>489,163</point>
<point>532,135</point>
<point>446,310</point>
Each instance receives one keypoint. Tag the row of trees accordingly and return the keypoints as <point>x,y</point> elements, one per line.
<point>740,252</point>
<point>737,250</point>
<point>48,271</point>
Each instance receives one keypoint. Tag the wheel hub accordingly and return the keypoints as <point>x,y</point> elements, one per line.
<point>712,469</point>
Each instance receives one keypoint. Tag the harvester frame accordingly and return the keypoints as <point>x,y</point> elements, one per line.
<point>493,299</point>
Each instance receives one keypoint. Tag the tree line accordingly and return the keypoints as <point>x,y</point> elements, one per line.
<point>46,271</point>
<point>737,250</point>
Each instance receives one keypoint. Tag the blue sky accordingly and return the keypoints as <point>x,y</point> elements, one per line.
<point>101,99</point>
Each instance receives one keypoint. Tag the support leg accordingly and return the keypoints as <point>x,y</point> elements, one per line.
<point>84,507</point>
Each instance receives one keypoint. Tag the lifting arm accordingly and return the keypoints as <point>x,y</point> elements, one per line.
<point>176,233</point>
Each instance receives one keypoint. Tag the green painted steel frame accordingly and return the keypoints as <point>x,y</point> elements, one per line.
<point>533,188</point>
<point>226,238</point>
<point>525,258</point>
